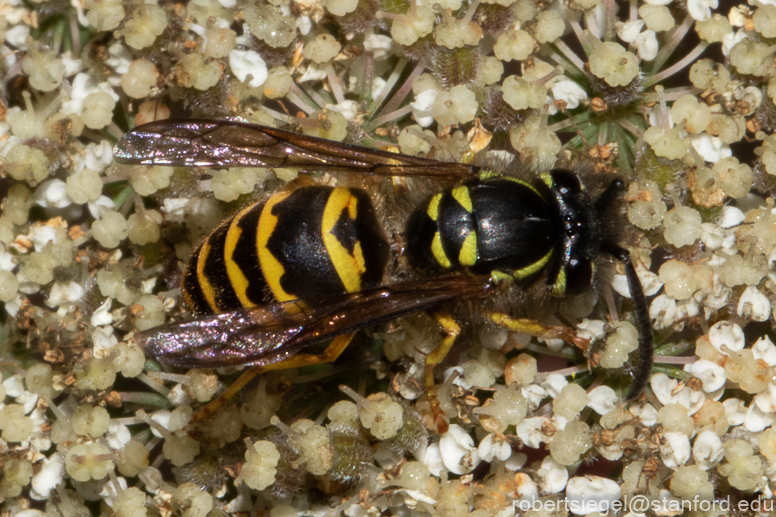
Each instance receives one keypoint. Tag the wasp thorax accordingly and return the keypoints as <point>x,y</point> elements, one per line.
<point>511,229</point>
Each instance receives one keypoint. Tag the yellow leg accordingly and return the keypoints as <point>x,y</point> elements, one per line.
<point>540,330</point>
<point>452,329</point>
<point>332,352</point>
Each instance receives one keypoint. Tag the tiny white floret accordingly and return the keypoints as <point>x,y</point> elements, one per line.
<point>14,385</point>
<point>248,62</point>
<point>756,420</point>
<point>64,292</point>
<point>421,107</point>
<point>707,450</point>
<point>569,92</point>
<point>700,10</point>
<point>646,413</point>
<point>534,394</point>
<point>553,476</point>
<point>103,316</point>
<point>494,446</point>
<point>764,349</point>
<point>602,399</point>
<point>647,45</point>
<point>668,391</point>
<point>590,494</point>
<point>117,436</point>
<point>51,474</point>
<point>161,417</point>
<point>104,340</point>
<point>432,459</point>
<point>629,30</point>
<point>710,373</point>
<point>754,305</point>
<point>457,450</point>
<point>525,488</point>
<point>51,194</point>
<point>735,411</point>
<point>731,216</point>
<point>516,461</point>
<point>711,148</point>
<point>727,335</point>
<point>554,384</point>
<point>675,449</point>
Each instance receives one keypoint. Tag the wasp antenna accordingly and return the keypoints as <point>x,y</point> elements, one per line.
<point>641,314</point>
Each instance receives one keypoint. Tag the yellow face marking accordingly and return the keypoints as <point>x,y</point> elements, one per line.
<point>271,267</point>
<point>533,268</point>
<point>439,252</point>
<point>461,194</point>
<point>204,283</point>
<point>559,289</point>
<point>236,276</point>
<point>546,178</point>
<point>349,267</point>
<point>433,207</point>
<point>468,254</point>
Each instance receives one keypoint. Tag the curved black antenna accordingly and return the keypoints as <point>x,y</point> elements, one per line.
<point>641,315</point>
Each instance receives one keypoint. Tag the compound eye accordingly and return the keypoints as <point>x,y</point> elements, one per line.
<point>579,276</point>
<point>566,182</point>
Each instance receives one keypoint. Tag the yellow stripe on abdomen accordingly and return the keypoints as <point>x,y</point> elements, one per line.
<point>271,267</point>
<point>349,267</point>
<point>236,276</point>
<point>208,290</point>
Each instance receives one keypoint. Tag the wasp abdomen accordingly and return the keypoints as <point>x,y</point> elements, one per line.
<point>482,226</point>
<point>300,244</point>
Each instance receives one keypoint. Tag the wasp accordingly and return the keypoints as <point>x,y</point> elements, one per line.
<point>308,265</point>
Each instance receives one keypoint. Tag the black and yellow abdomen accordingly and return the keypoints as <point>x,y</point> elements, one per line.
<point>481,226</point>
<point>300,244</point>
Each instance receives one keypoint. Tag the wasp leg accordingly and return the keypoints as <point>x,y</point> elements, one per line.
<point>539,330</point>
<point>332,352</point>
<point>452,329</point>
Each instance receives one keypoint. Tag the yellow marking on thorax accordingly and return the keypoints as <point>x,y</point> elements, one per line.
<point>271,267</point>
<point>438,251</point>
<point>468,254</point>
<point>533,268</point>
<point>433,207</point>
<point>236,276</point>
<point>349,267</point>
<point>461,194</point>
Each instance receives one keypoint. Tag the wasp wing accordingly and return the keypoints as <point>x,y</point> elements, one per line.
<point>225,143</point>
<point>272,333</point>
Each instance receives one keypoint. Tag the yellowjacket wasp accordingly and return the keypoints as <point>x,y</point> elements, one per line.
<point>308,264</point>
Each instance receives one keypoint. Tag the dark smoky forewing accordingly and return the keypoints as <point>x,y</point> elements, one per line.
<point>386,303</point>
<point>198,143</point>
<point>273,333</point>
<point>245,336</point>
<point>227,143</point>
